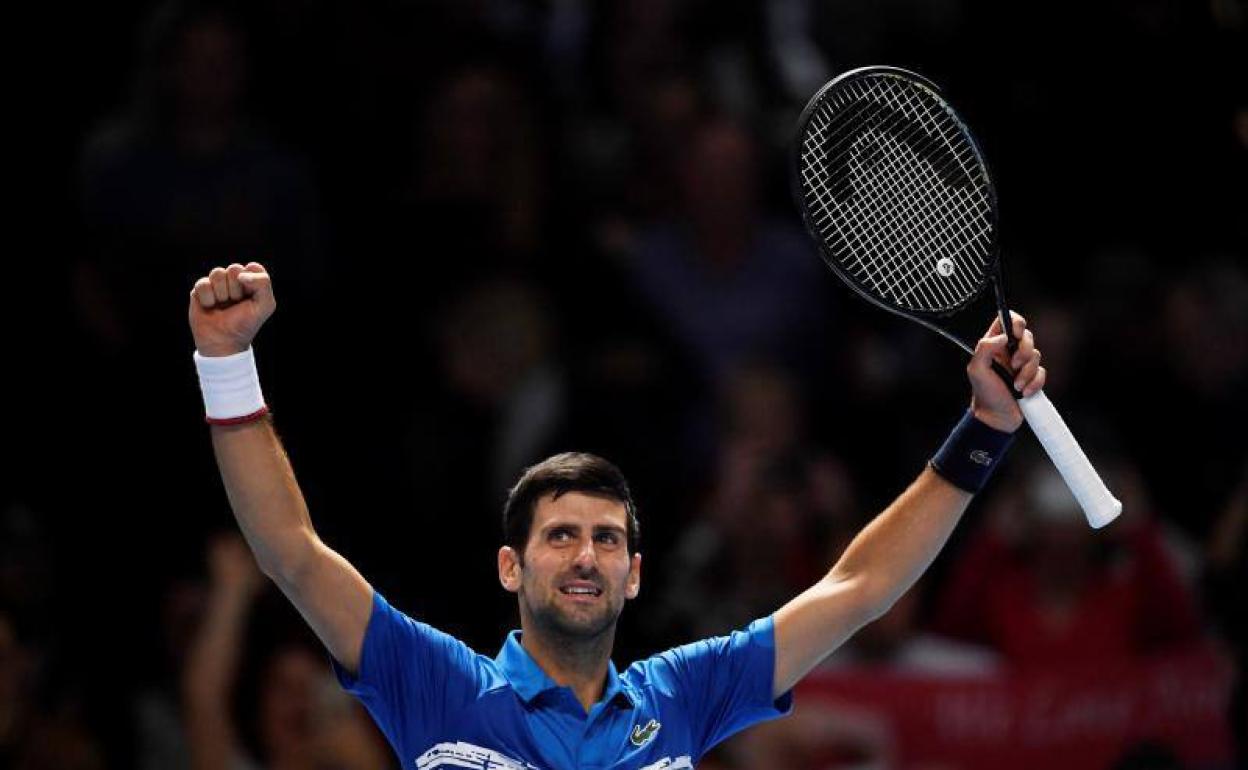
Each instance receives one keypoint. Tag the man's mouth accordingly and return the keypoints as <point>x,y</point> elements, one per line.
<point>580,589</point>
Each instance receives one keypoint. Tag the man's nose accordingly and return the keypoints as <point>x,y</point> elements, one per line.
<point>586,557</point>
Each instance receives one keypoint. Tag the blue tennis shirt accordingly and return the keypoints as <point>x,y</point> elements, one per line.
<point>441,705</point>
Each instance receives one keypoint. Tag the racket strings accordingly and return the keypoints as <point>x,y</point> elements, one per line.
<point>897,155</point>
<point>898,194</point>
<point>916,232</point>
<point>923,232</point>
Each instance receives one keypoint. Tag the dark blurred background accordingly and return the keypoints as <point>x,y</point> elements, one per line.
<point>503,228</point>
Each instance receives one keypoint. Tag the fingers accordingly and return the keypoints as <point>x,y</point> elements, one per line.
<point>1036,384</point>
<point>220,284</point>
<point>1025,351</point>
<point>203,293</point>
<point>1029,375</point>
<point>231,284</point>
<point>1025,372</point>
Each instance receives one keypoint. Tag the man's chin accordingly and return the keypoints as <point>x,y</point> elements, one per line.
<point>581,625</point>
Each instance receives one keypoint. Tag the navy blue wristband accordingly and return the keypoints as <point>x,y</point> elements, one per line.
<point>970,454</point>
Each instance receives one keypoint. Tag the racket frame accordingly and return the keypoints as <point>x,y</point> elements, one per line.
<point>925,318</point>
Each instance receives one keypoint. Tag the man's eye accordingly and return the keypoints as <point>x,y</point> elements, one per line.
<point>609,538</point>
<point>560,535</point>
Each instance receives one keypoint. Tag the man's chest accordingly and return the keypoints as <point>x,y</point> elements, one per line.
<point>553,738</point>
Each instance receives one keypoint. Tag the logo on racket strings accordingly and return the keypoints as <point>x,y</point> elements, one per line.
<point>945,267</point>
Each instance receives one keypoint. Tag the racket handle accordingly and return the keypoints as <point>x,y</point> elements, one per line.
<point>1098,503</point>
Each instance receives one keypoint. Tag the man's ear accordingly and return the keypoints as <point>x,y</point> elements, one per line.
<point>509,568</point>
<point>633,587</point>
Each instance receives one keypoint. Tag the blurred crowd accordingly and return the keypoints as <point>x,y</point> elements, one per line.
<point>503,228</point>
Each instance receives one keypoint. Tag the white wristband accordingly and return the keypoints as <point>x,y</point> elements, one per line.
<point>231,387</point>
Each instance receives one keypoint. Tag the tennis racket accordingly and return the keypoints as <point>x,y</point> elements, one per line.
<point>893,187</point>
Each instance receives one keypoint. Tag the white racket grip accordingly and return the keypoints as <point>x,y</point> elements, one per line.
<point>1098,503</point>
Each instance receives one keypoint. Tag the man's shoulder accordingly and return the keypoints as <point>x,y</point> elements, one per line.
<point>665,669</point>
<point>412,632</point>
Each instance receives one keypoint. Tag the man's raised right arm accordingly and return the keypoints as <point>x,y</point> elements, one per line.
<point>227,308</point>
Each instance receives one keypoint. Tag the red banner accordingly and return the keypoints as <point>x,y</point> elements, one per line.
<point>1077,719</point>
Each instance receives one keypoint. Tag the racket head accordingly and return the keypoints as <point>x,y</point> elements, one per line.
<point>893,187</point>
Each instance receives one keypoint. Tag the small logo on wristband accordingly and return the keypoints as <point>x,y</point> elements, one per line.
<point>981,457</point>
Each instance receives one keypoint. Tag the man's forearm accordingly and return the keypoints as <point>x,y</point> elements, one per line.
<point>890,554</point>
<point>262,490</point>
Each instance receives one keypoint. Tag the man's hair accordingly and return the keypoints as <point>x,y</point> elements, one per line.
<point>557,475</point>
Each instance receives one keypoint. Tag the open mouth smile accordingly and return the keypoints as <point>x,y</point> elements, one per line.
<point>581,590</point>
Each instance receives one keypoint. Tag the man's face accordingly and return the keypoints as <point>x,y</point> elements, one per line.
<point>575,573</point>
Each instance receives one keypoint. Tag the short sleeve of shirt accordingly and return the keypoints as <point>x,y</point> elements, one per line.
<point>411,676</point>
<point>724,683</point>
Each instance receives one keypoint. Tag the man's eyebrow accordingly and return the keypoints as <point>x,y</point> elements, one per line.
<point>609,528</point>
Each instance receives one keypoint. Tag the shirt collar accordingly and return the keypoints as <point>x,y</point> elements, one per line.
<point>529,680</point>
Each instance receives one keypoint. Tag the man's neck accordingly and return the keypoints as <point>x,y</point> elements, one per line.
<point>578,664</point>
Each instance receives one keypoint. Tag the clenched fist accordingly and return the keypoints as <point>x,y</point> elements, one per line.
<point>228,307</point>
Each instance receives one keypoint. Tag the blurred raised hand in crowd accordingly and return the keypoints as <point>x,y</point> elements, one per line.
<point>300,719</point>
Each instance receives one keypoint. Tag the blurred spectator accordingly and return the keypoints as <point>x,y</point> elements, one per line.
<point>498,355</point>
<point>186,178</point>
<point>1193,353</point>
<point>777,511</point>
<point>1044,589</point>
<point>43,724</point>
<point>160,737</point>
<point>732,282</point>
<point>299,722</point>
<point>1205,327</point>
<point>479,186</point>
<point>46,716</point>
<point>636,175</point>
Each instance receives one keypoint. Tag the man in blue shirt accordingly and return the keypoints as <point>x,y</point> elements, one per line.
<point>552,699</point>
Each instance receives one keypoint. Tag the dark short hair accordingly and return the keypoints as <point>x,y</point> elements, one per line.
<point>557,475</point>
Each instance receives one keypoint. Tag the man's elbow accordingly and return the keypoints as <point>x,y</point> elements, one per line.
<point>287,565</point>
<point>865,600</point>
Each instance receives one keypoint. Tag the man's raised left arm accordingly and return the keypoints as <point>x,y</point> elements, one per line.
<point>887,557</point>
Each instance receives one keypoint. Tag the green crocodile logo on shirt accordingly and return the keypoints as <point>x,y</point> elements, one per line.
<point>642,735</point>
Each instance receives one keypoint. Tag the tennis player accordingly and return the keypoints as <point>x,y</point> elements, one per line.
<point>552,699</point>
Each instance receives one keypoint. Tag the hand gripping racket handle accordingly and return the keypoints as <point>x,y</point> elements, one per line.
<point>1099,505</point>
